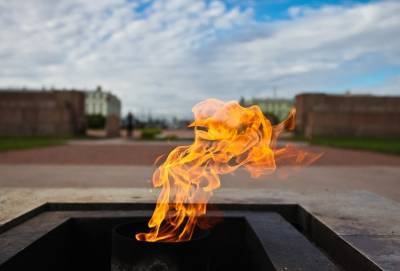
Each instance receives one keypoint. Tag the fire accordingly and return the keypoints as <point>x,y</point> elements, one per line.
<point>227,136</point>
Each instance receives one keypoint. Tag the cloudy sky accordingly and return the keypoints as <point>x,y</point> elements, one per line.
<point>164,56</point>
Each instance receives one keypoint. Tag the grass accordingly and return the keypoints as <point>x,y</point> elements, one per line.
<point>21,143</point>
<point>150,133</point>
<point>391,146</point>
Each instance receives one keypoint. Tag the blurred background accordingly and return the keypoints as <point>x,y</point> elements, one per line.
<point>92,92</point>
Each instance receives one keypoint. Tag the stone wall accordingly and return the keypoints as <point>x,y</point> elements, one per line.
<point>350,115</point>
<point>42,113</point>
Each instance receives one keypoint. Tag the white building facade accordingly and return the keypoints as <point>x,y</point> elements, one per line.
<point>103,103</point>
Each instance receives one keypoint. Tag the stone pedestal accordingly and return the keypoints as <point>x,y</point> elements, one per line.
<point>112,126</point>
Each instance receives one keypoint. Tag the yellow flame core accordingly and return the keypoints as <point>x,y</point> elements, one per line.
<point>227,136</point>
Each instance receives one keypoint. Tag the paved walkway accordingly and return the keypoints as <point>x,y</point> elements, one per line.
<point>384,181</point>
<point>123,163</point>
<point>356,193</point>
<point>125,152</point>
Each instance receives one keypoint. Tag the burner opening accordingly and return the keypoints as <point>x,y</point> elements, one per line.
<point>131,254</point>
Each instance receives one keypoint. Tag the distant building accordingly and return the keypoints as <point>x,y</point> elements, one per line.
<point>278,107</point>
<point>321,114</point>
<point>180,123</point>
<point>103,103</point>
<point>41,113</point>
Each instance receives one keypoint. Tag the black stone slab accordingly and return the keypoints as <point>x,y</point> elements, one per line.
<point>287,248</point>
<point>273,237</point>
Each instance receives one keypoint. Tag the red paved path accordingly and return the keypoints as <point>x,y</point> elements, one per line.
<point>145,154</point>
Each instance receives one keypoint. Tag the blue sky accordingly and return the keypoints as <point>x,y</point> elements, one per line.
<point>164,56</point>
<point>267,10</point>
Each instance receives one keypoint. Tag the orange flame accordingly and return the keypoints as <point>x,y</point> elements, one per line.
<point>227,136</point>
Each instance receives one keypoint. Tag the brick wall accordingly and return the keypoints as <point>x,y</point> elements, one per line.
<point>353,115</point>
<point>40,113</point>
<point>113,126</point>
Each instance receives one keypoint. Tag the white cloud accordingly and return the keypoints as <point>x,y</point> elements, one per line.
<point>174,53</point>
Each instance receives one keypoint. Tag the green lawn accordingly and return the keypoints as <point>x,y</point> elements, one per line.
<point>19,143</point>
<point>372,144</point>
